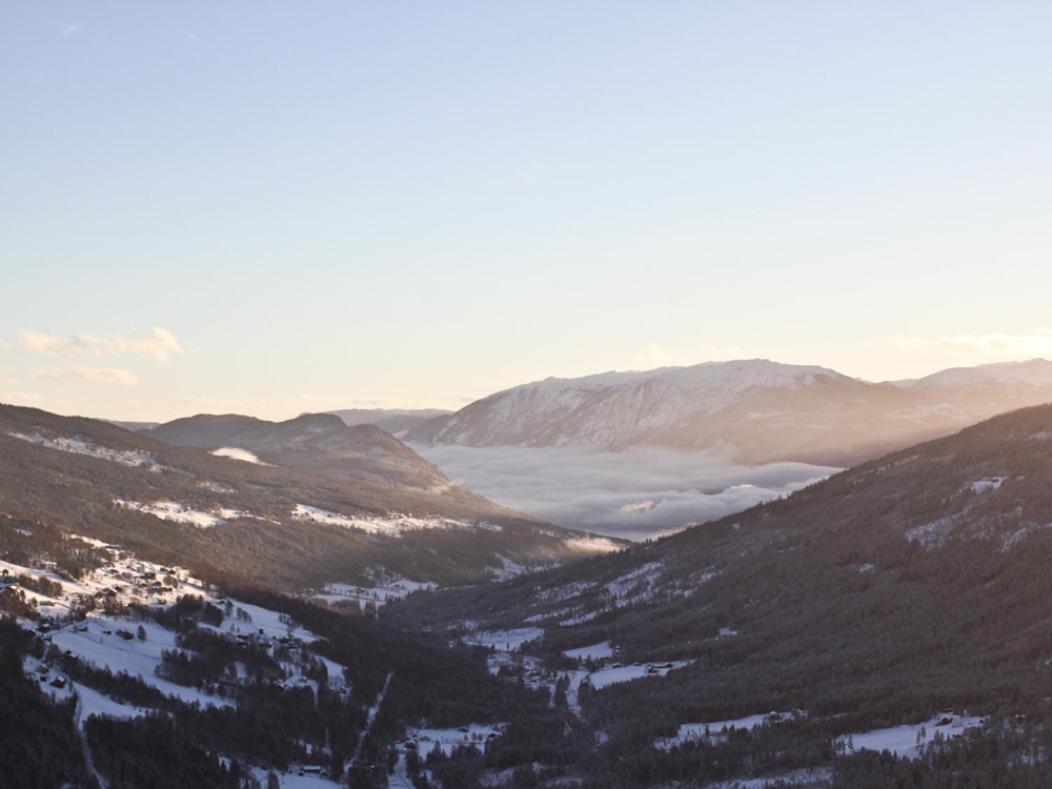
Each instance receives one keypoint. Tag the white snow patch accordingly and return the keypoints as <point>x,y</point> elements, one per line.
<point>91,642</point>
<point>504,640</point>
<point>637,585</point>
<point>449,739</point>
<point>175,512</point>
<point>908,740</point>
<point>715,731</point>
<point>565,592</point>
<point>508,570</point>
<point>391,525</point>
<point>396,589</point>
<point>582,618</point>
<point>807,776</point>
<point>77,446</point>
<point>292,779</point>
<point>615,674</point>
<point>986,485</point>
<point>215,487</point>
<point>94,703</point>
<point>599,651</point>
<point>930,535</point>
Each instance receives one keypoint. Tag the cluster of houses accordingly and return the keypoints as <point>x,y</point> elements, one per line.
<point>422,742</point>
<point>44,672</point>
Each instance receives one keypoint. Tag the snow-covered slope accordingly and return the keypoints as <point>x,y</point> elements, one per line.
<point>1012,375</point>
<point>976,393</point>
<point>756,410</point>
<point>616,409</point>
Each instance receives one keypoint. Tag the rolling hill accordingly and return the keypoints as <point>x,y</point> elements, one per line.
<point>320,443</point>
<point>346,505</point>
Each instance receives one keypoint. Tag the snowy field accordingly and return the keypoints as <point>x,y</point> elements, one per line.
<point>635,494</point>
<point>714,731</point>
<point>175,512</point>
<point>615,674</point>
<point>293,780</point>
<point>504,640</point>
<point>910,739</point>
<point>391,525</point>
<point>807,777</point>
<point>600,651</point>
<point>97,640</point>
<point>397,588</point>
<point>449,739</point>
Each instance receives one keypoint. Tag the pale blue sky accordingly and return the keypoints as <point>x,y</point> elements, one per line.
<point>336,203</point>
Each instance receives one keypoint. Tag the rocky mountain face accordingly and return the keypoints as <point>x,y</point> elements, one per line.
<point>755,411</point>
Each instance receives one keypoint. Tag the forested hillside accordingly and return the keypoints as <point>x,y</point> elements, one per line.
<point>906,589</point>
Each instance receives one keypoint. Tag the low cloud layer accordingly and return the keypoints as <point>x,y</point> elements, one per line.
<point>634,494</point>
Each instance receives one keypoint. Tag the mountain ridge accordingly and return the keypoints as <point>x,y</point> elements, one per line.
<point>755,410</point>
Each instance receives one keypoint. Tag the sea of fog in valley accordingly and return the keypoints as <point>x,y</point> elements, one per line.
<point>634,494</point>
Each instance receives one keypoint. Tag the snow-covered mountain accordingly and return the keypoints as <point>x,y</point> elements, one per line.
<point>978,392</point>
<point>756,410</point>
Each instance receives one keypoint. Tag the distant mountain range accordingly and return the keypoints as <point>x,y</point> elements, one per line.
<point>394,421</point>
<point>755,410</point>
<point>295,504</point>
<point>391,420</point>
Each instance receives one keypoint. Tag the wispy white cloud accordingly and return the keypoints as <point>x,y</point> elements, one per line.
<point>157,344</point>
<point>1033,342</point>
<point>108,375</point>
<point>66,31</point>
